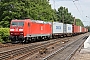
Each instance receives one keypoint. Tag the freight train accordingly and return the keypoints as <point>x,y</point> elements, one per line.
<point>31,30</point>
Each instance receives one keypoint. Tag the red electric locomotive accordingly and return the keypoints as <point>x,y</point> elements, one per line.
<point>29,30</point>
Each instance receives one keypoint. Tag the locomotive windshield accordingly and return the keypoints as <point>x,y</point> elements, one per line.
<point>17,23</point>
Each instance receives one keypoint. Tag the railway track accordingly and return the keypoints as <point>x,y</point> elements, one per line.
<point>9,54</point>
<point>66,52</point>
<point>37,49</point>
<point>27,50</point>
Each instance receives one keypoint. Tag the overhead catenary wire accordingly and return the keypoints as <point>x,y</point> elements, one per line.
<point>81,9</point>
<point>83,14</point>
<point>77,8</point>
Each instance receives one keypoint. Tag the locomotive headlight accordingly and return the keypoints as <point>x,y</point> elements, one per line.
<point>11,29</point>
<point>20,29</point>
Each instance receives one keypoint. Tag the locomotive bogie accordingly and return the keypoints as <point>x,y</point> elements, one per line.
<point>16,39</point>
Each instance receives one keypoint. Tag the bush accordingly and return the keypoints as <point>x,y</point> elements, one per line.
<point>4,33</point>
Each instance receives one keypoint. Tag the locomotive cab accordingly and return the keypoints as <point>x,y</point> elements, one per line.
<point>17,31</point>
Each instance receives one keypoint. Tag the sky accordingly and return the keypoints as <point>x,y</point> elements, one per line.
<point>79,9</point>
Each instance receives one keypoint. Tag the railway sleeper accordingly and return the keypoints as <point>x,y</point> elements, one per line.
<point>15,53</point>
<point>4,57</point>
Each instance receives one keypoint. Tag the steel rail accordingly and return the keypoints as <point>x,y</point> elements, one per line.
<point>63,48</point>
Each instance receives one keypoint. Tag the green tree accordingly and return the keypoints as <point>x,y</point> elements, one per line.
<point>19,9</point>
<point>79,22</point>
<point>64,16</point>
<point>33,9</point>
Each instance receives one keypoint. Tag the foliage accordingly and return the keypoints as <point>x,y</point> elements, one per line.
<point>79,22</point>
<point>4,33</point>
<point>64,16</point>
<point>33,9</point>
<point>19,9</point>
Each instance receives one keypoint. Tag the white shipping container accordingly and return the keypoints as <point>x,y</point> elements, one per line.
<point>69,28</point>
<point>57,27</point>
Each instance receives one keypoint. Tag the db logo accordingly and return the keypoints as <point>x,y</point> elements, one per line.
<point>17,29</point>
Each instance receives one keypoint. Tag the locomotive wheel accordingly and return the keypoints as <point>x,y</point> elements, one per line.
<point>26,40</point>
